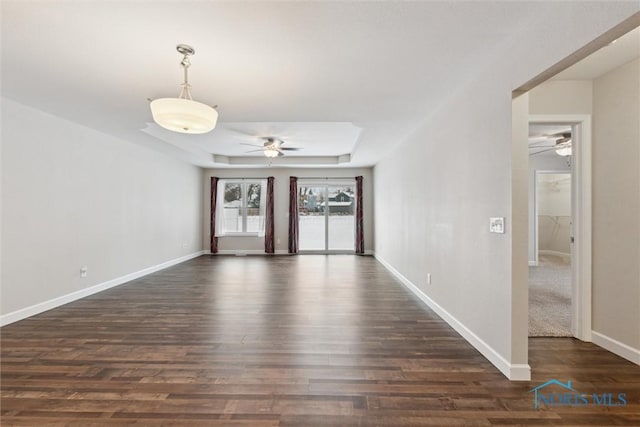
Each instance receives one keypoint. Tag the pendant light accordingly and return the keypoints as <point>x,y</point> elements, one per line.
<point>183,114</point>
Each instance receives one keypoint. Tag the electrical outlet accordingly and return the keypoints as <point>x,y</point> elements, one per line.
<point>428,278</point>
<point>83,271</point>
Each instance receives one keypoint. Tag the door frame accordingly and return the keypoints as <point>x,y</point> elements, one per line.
<point>581,216</point>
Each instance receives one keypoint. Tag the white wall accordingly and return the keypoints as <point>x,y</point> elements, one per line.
<point>561,97</point>
<point>518,369</point>
<point>75,197</point>
<point>281,204</point>
<point>553,193</point>
<point>433,200</point>
<point>616,205</point>
<point>456,171</point>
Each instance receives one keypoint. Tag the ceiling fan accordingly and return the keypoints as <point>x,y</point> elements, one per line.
<point>560,142</point>
<point>271,147</point>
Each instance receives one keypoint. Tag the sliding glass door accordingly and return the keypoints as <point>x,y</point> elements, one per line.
<point>327,216</point>
<point>312,226</point>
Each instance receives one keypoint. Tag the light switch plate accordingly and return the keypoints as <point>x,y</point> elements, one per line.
<point>496,224</point>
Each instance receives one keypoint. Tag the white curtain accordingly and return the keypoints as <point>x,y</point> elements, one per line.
<point>220,208</point>
<point>263,207</point>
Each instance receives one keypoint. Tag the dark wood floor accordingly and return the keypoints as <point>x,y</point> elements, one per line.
<point>280,341</point>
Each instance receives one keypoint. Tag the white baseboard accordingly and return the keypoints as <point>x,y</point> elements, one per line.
<point>514,372</point>
<point>23,313</point>
<point>616,347</point>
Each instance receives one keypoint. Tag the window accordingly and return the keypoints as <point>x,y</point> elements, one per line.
<point>241,208</point>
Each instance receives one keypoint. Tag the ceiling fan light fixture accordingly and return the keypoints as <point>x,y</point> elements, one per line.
<point>183,114</point>
<point>564,145</point>
<point>564,151</point>
<point>271,152</point>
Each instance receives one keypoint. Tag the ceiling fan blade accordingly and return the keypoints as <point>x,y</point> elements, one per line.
<point>539,143</point>
<point>252,145</point>
<point>280,154</point>
<point>253,151</point>
<point>272,141</point>
<point>540,136</point>
<point>537,147</point>
<point>544,151</point>
<point>290,148</point>
<point>564,144</point>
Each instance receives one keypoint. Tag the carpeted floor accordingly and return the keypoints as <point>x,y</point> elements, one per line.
<point>550,298</point>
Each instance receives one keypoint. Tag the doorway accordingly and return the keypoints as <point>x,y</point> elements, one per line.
<point>579,166</point>
<point>326,217</point>
<point>550,284</point>
<point>550,278</point>
<point>580,118</point>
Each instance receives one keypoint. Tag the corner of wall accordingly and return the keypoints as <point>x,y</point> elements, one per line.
<point>23,313</point>
<point>514,372</point>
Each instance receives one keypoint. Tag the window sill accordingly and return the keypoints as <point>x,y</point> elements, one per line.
<point>239,235</point>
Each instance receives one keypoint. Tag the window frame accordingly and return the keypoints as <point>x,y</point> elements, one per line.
<point>325,184</point>
<point>244,205</point>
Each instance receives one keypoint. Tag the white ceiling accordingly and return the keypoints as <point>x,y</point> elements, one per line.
<point>539,130</point>
<point>623,50</point>
<point>334,78</point>
<point>236,142</point>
